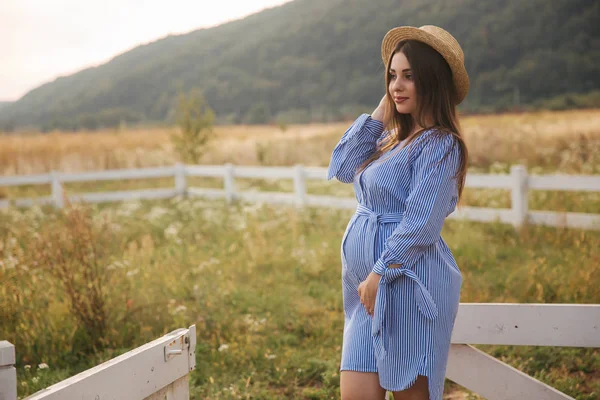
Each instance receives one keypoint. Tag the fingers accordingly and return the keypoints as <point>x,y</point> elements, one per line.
<point>368,305</point>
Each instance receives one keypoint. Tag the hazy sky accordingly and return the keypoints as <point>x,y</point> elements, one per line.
<point>43,39</point>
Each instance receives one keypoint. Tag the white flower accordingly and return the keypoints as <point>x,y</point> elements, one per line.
<point>180,308</point>
<point>270,356</point>
<point>156,213</point>
<point>43,366</point>
<point>172,230</point>
<point>28,366</point>
<point>133,272</point>
<point>9,263</point>
<point>254,324</point>
<point>223,347</point>
<point>128,208</point>
<point>35,379</point>
<point>116,264</point>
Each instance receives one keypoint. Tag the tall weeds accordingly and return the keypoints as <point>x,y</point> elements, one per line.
<point>75,253</point>
<point>57,264</point>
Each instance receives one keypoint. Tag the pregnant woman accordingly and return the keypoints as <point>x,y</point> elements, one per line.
<point>407,161</point>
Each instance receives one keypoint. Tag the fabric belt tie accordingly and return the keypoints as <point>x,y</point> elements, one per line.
<point>425,302</point>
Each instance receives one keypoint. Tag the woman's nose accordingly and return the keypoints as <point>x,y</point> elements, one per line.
<point>397,86</point>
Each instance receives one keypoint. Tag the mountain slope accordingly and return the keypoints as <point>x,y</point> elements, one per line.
<point>316,59</point>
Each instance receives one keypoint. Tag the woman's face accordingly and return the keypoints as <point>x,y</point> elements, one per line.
<point>402,87</point>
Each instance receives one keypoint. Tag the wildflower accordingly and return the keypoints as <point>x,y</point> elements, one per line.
<point>223,347</point>
<point>270,356</point>
<point>27,366</point>
<point>128,208</point>
<point>156,213</point>
<point>133,272</point>
<point>172,230</point>
<point>43,366</point>
<point>35,379</point>
<point>180,308</point>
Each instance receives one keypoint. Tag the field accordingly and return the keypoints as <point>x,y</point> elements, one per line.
<point>85,284</point>
<point>559,141</point>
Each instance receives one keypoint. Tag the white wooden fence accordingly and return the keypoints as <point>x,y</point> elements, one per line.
<point>518,182</point>
<point>571,325</point>
<point>159,370</point>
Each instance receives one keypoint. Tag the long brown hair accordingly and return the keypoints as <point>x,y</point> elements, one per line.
<point>436,96</point>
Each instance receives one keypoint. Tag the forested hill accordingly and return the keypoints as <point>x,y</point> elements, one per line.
<point>320,60</point>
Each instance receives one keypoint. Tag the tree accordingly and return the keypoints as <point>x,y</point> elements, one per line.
<point>194,119</point>
<point>258,114</point>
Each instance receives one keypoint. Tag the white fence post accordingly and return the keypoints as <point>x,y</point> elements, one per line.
<point>57,191</point>
<point>300,185</point>
<point>180,180</point>
<point>519,194</point>
<point>8,373</point>
<point>229,182</point>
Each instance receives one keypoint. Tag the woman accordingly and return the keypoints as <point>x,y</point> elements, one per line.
<point>401,284</point>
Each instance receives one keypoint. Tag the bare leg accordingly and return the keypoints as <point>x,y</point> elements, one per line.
<point>361,386</point>
<point>418,391</point>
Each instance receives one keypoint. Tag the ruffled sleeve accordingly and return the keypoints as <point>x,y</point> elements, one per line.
<point>356,145</point>
<point>433,196</point>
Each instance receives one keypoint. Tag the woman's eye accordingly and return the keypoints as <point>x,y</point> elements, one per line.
<point>409,77</point>
<point>392,76</point>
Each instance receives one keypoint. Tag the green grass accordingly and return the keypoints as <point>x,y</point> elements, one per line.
<point>262,285</point>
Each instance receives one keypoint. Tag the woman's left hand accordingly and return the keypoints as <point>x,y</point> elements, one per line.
<point>367,290</point>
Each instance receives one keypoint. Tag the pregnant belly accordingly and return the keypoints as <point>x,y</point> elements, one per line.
<point>358,239</point>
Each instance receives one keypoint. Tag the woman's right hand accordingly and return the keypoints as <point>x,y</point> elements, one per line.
<point>379,113</point>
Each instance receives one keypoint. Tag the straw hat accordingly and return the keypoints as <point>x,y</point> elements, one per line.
<point>442,41</point>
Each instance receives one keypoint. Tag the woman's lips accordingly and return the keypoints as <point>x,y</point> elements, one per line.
<point>399,100</point>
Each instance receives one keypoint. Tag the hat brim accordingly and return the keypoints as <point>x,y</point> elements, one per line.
<point>459,73</point>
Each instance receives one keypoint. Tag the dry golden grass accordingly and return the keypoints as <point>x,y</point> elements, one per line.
<point>565,141</point>
<point>36,152</point>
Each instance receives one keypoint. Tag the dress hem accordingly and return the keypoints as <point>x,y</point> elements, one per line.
<point>412,382</point>
<point>357,369</point>
<point>389,388</point>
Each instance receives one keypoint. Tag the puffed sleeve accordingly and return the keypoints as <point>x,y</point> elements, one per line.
<point>432,197</point>
<point>356,145</point>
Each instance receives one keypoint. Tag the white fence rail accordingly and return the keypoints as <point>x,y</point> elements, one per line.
<point>155,371</point>
<point>159,369</point>
<point>575,325</point>
<point>518,182</point>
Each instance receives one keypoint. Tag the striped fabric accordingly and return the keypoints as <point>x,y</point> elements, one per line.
<point>404,198</point>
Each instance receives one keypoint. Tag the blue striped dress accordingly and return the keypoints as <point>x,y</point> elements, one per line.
<point>403,200</point>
